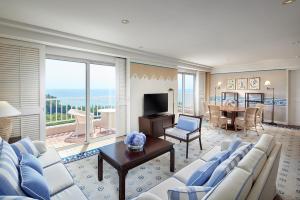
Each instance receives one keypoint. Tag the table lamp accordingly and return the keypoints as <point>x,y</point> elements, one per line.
<point>6,111</point>
<point>217,87</point>
<point>268,84</point>
<point>172,90</point>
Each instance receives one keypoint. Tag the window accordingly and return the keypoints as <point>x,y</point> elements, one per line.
<point>186,93</point>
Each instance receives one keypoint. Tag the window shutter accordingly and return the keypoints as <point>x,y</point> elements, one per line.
<point>20,65</point>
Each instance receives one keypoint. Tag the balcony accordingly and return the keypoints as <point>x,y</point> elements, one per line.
<point>66,120</point>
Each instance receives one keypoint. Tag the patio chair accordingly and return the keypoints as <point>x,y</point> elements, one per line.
<point>248,121</point>
<point>80,119</point>
<point>215,117</point>
<point>259,115</point>
<point>190,132</point>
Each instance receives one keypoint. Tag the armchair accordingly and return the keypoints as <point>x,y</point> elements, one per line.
<point>188,133</point>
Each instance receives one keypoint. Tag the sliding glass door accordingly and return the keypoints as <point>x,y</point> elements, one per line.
<point>186,93</point>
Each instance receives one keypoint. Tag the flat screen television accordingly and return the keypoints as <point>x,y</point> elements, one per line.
<point>155,104</point>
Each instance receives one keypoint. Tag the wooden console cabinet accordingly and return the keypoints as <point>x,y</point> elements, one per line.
<point>154,125</point>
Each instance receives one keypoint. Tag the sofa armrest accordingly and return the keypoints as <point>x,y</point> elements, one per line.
<point>147,196</point>
<point>40,145</point>
<point>225,144</point>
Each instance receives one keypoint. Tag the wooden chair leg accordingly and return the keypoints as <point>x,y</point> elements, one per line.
<point>200,143</point>
<point>187,150</point>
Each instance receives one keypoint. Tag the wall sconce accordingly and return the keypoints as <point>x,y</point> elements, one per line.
<point>268,84</point>
<point>217,87</point>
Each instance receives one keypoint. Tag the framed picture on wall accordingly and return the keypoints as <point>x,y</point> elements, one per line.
<point>241,84</point>
<point>230,84</point>
<point>254,83</point>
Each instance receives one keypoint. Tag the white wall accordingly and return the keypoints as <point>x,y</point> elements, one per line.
<point>294,97</point>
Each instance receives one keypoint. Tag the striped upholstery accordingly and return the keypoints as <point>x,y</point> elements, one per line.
<point>243,150</point>
<point>15,198</point>
<point>188,193</point>
<point>25,146</point>
<point>8,151</point>
<point>9,177</point>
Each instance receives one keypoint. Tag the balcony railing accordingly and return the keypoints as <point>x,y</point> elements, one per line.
<point>57,108</point>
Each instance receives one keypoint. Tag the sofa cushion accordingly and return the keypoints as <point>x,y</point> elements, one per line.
<point>253,162</point>
<point>188,193</point>
<point>236,185</point>
<point>265,143</point>
<point>16,198</point>
<point>31,161</point>
<point>147,196</point>
<point>9,176</point>
<point>211,153</point>
<point>40,146</point>
<point>243,150</point>
<point>71,193</point>
<point>161,190</point>
<point>8,150</point>
<point>33,183</point>
<point>181,133</point>
<point>58,178</point>
<point>185,173</point>
<point>202,174</point>
<point>221,156</point>
<point>234,145</point>
<point>222,170</point>
<point>187,124</point>
<point>49,158</point>
<point>25,146</point>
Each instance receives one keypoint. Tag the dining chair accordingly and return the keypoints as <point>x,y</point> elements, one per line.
<point>259,115</point>
<point>248,121</point>
<point>215,117</point>
<point>80,120</point>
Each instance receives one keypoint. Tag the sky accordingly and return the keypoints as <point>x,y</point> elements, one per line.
<point>71,75</point>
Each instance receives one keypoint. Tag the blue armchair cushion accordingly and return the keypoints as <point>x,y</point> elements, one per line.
<point>25,146</point>
<point>187,124</point>
<point>221,156</point>
<point>234,145</point>
<point>31,161</point>
<point>202,174</point>
<point>188,193</point>
<point>33,183</point>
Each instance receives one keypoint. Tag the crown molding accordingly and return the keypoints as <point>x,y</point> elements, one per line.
<point>30,33</point>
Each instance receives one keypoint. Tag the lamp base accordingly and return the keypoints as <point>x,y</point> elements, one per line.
<point>5,128</point>
<point>271,123</point>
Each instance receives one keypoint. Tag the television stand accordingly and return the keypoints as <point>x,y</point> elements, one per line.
<point>154,125</point>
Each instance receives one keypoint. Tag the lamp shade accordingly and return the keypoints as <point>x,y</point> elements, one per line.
<point>7,110</point>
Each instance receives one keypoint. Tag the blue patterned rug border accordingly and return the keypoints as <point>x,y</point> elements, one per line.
<point>80,155</point>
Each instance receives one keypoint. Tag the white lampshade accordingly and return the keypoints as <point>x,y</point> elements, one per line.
<point>7,110</point>
<point>267,83</point>
<point>219,83</point>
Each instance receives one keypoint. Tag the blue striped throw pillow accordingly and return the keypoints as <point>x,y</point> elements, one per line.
<point>234,145</point>
<point>202,174</point>
<point>9,176</point>
<point>243,150</point>
<point>221,156</point>
<point>188,193</point>
<point>8,151</point>
<point>25,146</point>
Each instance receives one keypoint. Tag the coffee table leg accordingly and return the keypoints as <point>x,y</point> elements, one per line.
<point>100,167</point>
<point>172,160</point>
<point>122,177</point>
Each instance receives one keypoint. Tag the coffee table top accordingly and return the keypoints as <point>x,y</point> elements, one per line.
<point>118,155</point>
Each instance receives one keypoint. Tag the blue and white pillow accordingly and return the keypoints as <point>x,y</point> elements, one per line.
<point>202,174</point>
<point>8,151</point>
<point>221,156</point>
<point>243,150</point>
<point>222,170</point>
<point>188,124</point>
<point>31,161</point>
<point>234,145</point>
<point>25,146</point>
<point>34,184</point>
<point>188,193</point>
<point>9,176</point>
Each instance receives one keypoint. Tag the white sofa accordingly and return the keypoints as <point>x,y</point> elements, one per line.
<point>60,182</point>
<point>253,178</point>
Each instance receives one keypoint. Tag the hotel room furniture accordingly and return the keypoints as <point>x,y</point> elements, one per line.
<point>184,135</point>
<point>107,121</point>
<point>6,124</point>
<point>268,84</point>
<point>260,114</point>
<point>215,117</point>
<point>154,125</point>
<point>118,156</point>
<point>248,180</point>
<point>248,121</point>
<point>80,120</point>
<point>226,95</point>
<point>60,182</point>
<point>254,98</point>
<point>233,111</point>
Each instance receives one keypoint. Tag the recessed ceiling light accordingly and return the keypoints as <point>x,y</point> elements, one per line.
<point>125,21</point>
<point>288,1</point>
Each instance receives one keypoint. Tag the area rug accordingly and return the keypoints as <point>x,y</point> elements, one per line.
<point>140,179</point>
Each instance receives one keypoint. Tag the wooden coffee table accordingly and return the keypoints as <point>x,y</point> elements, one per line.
<point>123,160</point>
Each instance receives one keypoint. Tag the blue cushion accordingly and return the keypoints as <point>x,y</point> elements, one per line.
<point>188,193</point>
<point>8,150</point>
<point>25,146</point>
<point>31,161</point>
<point>234,145</point>
<point>33,183</point>
<point>187,124</point>
<point>243,150</point>
<point>9,176</point>
<point>221,156</point>
<point>222,170</point>
<point>202,174</point>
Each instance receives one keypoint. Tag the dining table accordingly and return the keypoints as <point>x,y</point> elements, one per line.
<point>232,112</point>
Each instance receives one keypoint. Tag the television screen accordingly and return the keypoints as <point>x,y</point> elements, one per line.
<point>155,103</point>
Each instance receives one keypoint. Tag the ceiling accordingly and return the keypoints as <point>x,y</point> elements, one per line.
<point>214,33</point>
